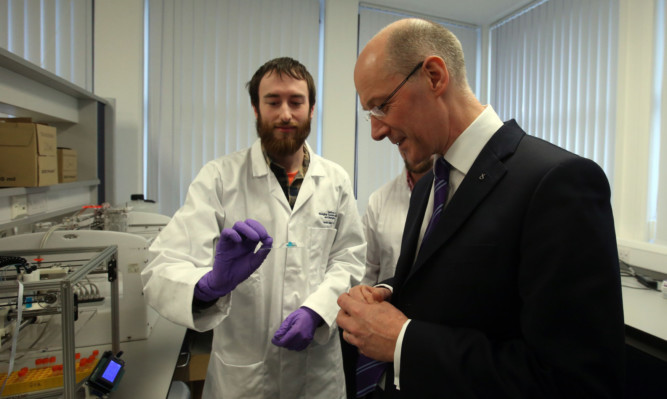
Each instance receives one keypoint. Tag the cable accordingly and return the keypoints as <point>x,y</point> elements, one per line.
<point>17,262</point>
<point>48,233</point>
<point>650,284</point>
<point>647,282</point>
<point>12,260</point>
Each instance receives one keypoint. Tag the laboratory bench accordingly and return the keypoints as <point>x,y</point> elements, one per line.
<point>150,363</point>
<point>193,360</point>
<point>645,313</point>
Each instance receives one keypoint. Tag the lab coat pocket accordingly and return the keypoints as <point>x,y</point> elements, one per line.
<point>320,242</point>
<point>244,329</point>
<point>246,381</point>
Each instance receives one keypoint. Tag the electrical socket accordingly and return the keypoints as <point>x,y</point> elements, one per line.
<point>19,206</point>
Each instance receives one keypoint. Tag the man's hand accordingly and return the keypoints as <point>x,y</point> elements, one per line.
<point>373,327</point>
<point>235,259</point>
<point>298,329</point>
<point>370,294</point>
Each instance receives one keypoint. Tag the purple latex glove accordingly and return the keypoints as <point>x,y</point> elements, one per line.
<point>298,329</point>
<point>235,259</point>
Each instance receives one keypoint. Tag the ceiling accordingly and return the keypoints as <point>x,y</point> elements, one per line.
<point>477,12</point>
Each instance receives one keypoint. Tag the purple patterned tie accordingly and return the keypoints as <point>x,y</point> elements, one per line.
<point>441,186</point>
<point>369,372</point>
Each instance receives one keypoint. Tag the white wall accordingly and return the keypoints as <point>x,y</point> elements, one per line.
<point>118,74</point>
<point>633,122</point>
<point>339,102</point>
<point>633,128</point>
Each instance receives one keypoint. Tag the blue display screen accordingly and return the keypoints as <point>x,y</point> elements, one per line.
<point>111,371</point>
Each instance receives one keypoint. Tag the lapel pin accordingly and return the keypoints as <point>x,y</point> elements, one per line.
<point>482,176</point>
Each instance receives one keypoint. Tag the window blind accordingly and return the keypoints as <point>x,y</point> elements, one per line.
<point>553,69</point>
<point>53,34</point>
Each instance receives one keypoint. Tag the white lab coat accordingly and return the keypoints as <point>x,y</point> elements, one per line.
<point>328,259</point>
<point>383,222</point>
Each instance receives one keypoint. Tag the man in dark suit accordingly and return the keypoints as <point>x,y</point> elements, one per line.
<point>515,291</point>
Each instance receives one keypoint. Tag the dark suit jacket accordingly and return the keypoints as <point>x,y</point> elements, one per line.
<point>516,293</point>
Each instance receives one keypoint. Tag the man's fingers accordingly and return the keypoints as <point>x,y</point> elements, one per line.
<point>361,293</point>
<point>345,300</point>
<point>259,257</point>
<point>347,337</point>
<point>246,231</point>
<point>381,294</point>
<point>259,229</point>
<point>230,235</point>
<point>350,309</point>
<point>353,305</point>
<point>267,242</point>
<point>342,319</point>
<point>367,293</point>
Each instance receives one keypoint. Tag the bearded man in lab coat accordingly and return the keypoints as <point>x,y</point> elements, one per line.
<point>272,308</point>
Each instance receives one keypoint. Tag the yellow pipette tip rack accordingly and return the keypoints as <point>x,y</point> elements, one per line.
<point>43,377</point>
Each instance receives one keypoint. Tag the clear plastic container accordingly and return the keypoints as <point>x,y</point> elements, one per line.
<point>115,219</point>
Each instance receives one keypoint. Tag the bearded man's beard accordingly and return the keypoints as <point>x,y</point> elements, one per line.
<point>281,144</point>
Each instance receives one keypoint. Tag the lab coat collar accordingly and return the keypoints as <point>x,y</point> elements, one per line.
<point>260,168</point>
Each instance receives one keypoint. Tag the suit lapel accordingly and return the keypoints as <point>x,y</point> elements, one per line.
<point>485,173</point>
<point>413,222</point>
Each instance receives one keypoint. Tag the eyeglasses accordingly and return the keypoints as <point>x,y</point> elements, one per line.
<point>377,110</point>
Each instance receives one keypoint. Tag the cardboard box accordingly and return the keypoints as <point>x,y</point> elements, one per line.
<point>67,165</point>
<point>27,154</point>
